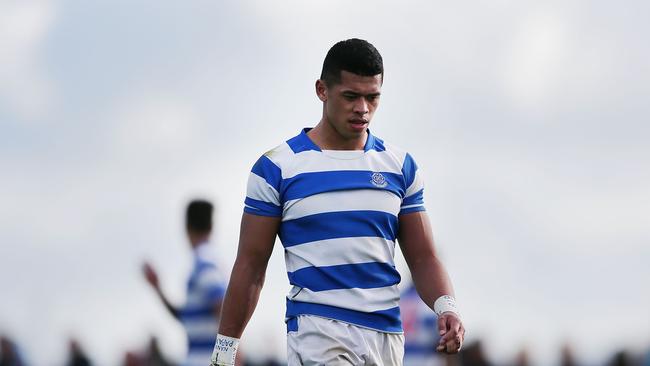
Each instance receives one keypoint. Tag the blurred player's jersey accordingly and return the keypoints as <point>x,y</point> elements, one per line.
<point>339,213</point>
<point>420,331</point>
<point>205,288</point>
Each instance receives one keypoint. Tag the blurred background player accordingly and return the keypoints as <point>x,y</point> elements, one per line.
<point>205,286</point>
<point>420,325</point>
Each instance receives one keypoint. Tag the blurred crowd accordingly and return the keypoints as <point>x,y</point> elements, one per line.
<point>472,354</point>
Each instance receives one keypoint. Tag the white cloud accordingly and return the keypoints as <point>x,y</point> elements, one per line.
<point>25,88</point>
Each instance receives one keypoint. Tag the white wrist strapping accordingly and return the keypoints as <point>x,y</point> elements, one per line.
<point>445,303</point>
<point>225,350</point>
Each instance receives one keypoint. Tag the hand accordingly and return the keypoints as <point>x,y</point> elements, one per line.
<point>452,333</point>
<point>151,275</point>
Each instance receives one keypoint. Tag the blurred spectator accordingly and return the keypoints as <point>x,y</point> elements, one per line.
<point>133,359</point>
<point>154,356</point>
<point>9,355</point>
<point>421,335</point>
<point>76,356</point>
<point>205,288</point>
<point>566,357</point>
<point>522,358</point>
<point>621,358</point>
<point>473,355</point>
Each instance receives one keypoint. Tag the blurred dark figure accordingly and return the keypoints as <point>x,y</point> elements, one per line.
<point>76,356</point>
<point>206,286</point>
<point>522,358</point>
<point>473,355</point>
<point>9,355</point>
<point>133,359</point>
<point>567,357</point>
<point>621,358</point>
<point>154,356</point>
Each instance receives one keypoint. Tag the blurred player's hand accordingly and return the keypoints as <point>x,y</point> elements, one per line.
<point>452,333</point>
<point>151,275</point>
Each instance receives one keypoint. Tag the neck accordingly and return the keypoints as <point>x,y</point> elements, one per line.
<point>196,239</point>
<point>327,138</point>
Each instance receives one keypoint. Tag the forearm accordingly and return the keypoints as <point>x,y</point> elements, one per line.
<point>431,279</point>
<point>168,305</point>
<point>416,241</point>
<point>241,298</point>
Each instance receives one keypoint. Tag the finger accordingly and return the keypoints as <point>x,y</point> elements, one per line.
<point>442,325</point>
<point>452,346</point>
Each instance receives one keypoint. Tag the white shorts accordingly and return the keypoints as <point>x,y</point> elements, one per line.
<point>321,341</point>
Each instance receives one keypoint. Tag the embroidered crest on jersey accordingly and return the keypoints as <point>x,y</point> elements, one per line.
<point>378,180</point>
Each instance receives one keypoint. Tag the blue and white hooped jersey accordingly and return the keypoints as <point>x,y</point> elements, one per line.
<point>339,213</point>
<point>205,288</point>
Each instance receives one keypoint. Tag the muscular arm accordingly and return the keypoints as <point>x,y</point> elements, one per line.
<point>256,239</point>
<point>416,242</point>
<point>429,275</point>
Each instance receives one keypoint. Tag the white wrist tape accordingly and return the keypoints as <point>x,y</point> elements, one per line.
<point>225,350</point>
<point>445,303</point>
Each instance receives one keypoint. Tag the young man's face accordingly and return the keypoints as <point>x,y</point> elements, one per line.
<point>351,103</point>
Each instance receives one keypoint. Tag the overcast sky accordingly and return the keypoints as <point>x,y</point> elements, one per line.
<point>529,121</point>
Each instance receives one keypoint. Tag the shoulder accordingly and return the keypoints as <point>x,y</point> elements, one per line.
<point>391,151</point>
<point>286,151</point>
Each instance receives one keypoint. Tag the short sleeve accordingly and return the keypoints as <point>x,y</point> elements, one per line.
<point>413,200</point>
<point>262,191</point>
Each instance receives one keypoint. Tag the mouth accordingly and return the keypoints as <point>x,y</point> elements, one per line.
<point>358,124</point>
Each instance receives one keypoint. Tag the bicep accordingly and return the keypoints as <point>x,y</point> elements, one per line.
<point>257,237</point>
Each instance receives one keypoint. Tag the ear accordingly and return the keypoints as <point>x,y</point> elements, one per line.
<point>321,90</point>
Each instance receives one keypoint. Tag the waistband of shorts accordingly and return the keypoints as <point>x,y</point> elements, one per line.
<point>387,321</point>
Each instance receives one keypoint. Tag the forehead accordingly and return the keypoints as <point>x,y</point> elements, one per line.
<point>358,83</point>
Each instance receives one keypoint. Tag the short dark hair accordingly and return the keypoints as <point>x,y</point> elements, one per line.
<point>198,216</point>
<point>353,55</point>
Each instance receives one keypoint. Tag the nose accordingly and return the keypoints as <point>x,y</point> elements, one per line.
<point>361,106</point>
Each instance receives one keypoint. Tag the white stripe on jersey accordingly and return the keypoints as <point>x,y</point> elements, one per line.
<point>365,300</point>
<point>416,205</point>
<point>333,252</point>
<point>201,327</point>
<point>260,190</point>
<point>337,201</point>
<point>317,161</point>
<point>416,185</point>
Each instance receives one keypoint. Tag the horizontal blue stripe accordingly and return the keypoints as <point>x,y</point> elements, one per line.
<point>261,206</point>
<point>215,293</point>
<point>308,184</point>
<point>332,225</point>
<point>292,325</point>
<point>359,275</point>
<point>266,169</point>
<point>200,266</point>
<point>408,170</point>
<point>384,320</point>
<point>415,198</point>
<point>197,312</point>
<point>201,343</point>
<point>412,209</point>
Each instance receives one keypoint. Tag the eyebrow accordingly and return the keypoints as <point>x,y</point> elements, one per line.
<point>349,92</point>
